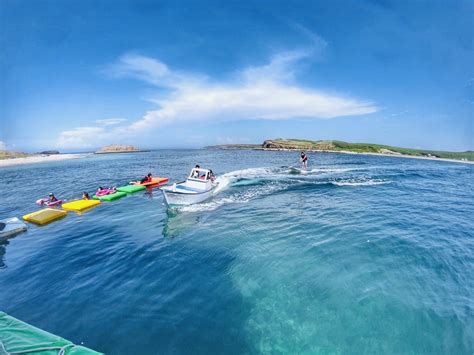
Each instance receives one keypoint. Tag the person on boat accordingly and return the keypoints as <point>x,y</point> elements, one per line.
<point>52,198</point>
<point>85,196</point>
<point>147,178</point>
<point>211,176</point>
<point>304,160</point>
<point>195,174</point>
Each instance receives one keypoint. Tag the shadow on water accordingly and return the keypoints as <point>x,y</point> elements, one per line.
<point>176,223</point>
<point>3,247</point>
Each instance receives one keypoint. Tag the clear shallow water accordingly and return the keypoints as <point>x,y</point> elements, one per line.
<point>361,255</point>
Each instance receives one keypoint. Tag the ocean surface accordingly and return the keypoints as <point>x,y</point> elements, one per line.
<point>361,255</point>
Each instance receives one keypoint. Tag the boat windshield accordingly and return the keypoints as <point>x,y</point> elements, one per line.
<point>199,174</point>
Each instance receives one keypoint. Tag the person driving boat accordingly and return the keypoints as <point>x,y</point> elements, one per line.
<point>195,173</point>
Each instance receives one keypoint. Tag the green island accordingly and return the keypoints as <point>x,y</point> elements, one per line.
<point>119,148</point>
<point>346,147</point>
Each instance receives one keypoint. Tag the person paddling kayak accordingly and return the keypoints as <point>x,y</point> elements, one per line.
<point>52,198</point>
<point>304,161</point>
<point>147,178</point>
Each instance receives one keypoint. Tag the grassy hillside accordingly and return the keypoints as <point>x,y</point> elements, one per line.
<point>377,148</point>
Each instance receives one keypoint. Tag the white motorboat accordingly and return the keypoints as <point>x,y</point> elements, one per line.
<point>11,227</point>
<point>198,187</point>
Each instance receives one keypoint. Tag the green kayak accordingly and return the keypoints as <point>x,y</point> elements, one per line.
<point>131,188</point>
<point>110,197</point>
<point>17,337</point>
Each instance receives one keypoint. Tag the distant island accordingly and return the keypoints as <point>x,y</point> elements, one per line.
<point>119,148</point>
<point>345,147</point>
<point>49,152</point>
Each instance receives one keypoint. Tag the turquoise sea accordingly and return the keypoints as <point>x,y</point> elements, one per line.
<point>362,255</point>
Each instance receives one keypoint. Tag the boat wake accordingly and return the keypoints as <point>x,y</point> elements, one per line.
<point>236,197</point>
<point>243,186</point>
<point>355,182</point>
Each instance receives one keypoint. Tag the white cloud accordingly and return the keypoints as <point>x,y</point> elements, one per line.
<point>264,92</point>
<point>279,69</point>
<point>151,71</point>
<point>260,92</point>
<point>3,146</point>
<point>110,121</point>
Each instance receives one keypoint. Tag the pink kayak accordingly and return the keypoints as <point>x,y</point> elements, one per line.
<point>45,202</point>
<point>104,192</point>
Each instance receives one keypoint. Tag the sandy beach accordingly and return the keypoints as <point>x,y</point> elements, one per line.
<point>40,159</point>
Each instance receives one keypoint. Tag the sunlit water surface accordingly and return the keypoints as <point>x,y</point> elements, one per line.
<point>360,255</point>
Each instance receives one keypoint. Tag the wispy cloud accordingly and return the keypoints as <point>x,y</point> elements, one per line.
<point>110,121</point>
<point>317,44</point>
<point>268,92</point>
<point>3,146</point>
<point>151,71</point>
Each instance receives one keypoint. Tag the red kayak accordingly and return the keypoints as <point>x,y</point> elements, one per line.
<point>156,181</point>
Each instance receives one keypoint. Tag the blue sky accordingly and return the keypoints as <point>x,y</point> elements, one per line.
<point>76,75</point>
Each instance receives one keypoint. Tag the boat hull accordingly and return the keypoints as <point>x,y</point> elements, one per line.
<point>11,227</point>
<point>176,198</point>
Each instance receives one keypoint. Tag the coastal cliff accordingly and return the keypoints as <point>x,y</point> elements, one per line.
<point>297,144</point>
